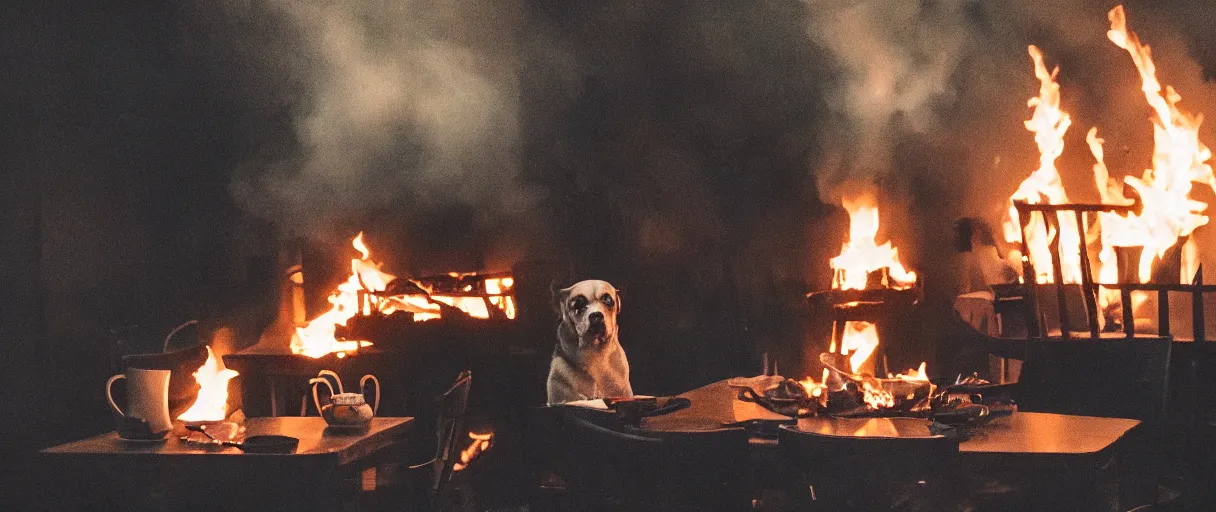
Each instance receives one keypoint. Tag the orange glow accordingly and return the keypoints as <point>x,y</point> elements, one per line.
<point>918,374</point>
<point>876,397</point>
<point>212,401</point>
<point>1048,123</point>
<point>815,389</point>
<point>318,337</point>
<point>479,443</point>
<point>860,255</point>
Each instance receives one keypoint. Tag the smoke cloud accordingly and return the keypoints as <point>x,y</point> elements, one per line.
<point>403,110</point>
<point>894,63</point>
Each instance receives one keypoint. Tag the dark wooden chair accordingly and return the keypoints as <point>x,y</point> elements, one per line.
<point>1120,377</point>
<point>704,469</point>
<point>436,473</point>
<point>867,473</point>
<point>644,470</point>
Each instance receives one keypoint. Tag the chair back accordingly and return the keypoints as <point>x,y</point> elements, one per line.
<point>704,469</point>
<point>866,473</point>
<point>609,469</point>
<point>640,469</point>
<point>449,427</point>
<point>1122,378</point>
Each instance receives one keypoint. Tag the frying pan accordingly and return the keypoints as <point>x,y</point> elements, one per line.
<point>255,444</point>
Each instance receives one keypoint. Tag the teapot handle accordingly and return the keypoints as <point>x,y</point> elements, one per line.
<point>337,379</point>
<point>316,400</point>
<point>376,406</point>
<point>110,396</point>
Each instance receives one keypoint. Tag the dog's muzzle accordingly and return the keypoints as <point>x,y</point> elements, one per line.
<point>597,330</point>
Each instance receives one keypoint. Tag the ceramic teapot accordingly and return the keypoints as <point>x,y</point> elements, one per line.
<point>345,410</point>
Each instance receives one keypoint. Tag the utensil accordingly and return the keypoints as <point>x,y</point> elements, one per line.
<point>147,399</point>
<point>254,444</point>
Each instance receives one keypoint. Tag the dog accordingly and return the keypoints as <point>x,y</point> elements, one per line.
<point>588,361</point>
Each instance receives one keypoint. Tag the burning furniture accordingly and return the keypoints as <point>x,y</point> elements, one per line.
<point>869,285</point>
<point>415,333</point>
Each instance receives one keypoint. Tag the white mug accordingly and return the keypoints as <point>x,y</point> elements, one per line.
<point>147,397</point>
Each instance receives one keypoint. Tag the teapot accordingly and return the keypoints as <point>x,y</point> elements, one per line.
<point>345,410</point>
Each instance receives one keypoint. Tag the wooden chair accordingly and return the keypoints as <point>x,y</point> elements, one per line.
<point>867,473</point>
<point>449,431</point>
<point>1120,377</point>
<point>644,470</point>
<point>705,469</point>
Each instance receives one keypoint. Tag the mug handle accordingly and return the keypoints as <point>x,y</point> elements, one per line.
<point>337,379</point>
<point>316,400</point>
<point>376,407</point>
<point>110,396</point>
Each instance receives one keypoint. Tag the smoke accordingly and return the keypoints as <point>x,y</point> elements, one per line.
<point>894,64</point>
<point>403,110</point>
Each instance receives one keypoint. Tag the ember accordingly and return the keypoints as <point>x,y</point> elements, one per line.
<point>478,445</point>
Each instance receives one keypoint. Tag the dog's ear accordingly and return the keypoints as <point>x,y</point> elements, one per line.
<point>560,297</point>
<point>618,302</point>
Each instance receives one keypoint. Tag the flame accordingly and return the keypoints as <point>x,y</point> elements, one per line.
<point>859,342</point>
<point>815,389</point>
<point>212,401</point>
<point>360,294</point>
<point>480,443</point>
<point>318,337</point>
<point>860,256</point>
<point>1179,159</point>
<point>918,374</point>
<point>1048,123</point>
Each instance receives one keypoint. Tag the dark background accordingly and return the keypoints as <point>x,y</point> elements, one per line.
<point>677,150</point>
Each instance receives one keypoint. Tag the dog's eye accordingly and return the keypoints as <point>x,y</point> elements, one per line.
<point>578,303</point>
<point>607,300</point>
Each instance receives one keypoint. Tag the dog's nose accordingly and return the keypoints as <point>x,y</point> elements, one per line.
<point>596,318</point>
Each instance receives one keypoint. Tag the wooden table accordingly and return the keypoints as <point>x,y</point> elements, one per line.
<point>1022,434</point>
<point>1049,454</point>
<point>327,469</point>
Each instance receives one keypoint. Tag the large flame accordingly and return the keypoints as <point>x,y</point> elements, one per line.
<point>1048,123</point>
<point>1179,159</point>
<point>860,255</point>
<point>318,337</point>
<point>212,401</point>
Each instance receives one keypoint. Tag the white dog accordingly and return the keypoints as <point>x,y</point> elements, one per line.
<point>588,361</point>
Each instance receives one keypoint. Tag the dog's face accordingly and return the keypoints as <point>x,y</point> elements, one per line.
<point>590,309</point>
